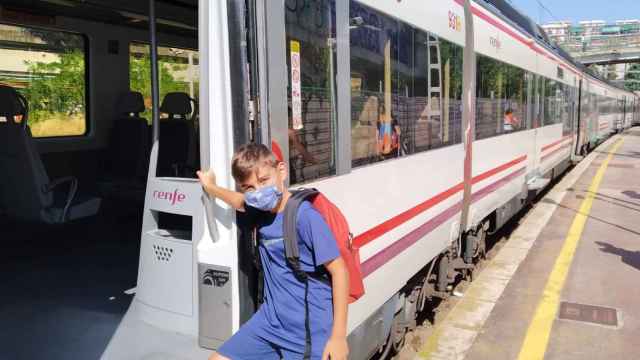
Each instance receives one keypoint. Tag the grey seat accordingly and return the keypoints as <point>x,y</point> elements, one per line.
<point>26,192</point>
<point>178,151</point>
<point>129,144</point>
<point>127,158</point>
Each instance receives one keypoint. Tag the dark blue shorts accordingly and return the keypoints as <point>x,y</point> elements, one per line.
<point>250,343</point>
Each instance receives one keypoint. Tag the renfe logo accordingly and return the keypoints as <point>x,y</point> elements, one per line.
<point>495,42</point>
<point>173,197</point>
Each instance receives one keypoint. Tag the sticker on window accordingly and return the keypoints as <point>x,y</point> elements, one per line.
<point>296,87</point>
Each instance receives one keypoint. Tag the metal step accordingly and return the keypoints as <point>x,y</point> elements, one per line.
<point>537,183</point>
<point>576,159</point>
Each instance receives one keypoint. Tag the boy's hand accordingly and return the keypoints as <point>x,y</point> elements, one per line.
<point>336,349</point>
<point>208,180</point>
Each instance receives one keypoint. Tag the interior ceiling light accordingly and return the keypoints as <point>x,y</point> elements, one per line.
<point>138,18</point>
<point>68,3</point>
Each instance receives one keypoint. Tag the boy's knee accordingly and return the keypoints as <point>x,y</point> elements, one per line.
<point>216,356</point>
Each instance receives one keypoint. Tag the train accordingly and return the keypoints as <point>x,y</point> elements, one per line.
<point>430,124</point>
<point>393,158</point>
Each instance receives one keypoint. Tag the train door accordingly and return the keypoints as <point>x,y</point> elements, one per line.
<point>537,88</point>
<point>531,113</point>
<point>622,117</point>
<point>189,266</point>
<point>290,103</point>
<point>573,114</point>
<point>580,120</point>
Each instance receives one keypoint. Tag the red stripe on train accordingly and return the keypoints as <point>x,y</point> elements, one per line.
<point>544,148</point>
<point>387,254</point>
<point>547,156</point>
<point>381,229</point>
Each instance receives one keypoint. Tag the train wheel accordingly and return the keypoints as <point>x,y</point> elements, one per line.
<point>482,244</point>
<point>396,338</point>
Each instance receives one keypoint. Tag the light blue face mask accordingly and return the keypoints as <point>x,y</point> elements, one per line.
<point>265,199</point>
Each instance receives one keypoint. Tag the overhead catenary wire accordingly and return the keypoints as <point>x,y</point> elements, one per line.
<point>542,6</point>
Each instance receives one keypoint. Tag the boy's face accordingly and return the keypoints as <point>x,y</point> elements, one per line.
<point>264,176</point>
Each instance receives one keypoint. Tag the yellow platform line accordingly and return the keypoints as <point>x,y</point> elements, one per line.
<point>537,337</point>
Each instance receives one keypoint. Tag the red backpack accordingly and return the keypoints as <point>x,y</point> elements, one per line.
<point>340,229</point>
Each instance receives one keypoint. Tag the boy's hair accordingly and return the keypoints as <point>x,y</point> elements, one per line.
<point>248,158</point>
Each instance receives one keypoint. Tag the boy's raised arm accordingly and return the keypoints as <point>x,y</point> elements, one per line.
<point>233,198</point>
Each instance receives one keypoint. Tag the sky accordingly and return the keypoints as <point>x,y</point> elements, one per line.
<point>579,10</point>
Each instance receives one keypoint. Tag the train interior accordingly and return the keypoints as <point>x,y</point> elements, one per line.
<point>70,254</point>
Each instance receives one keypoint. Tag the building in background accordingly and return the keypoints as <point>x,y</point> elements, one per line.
<point>558,31</point>
<point>600,43</point>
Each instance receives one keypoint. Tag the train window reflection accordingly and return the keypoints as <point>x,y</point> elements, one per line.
<point>501,98</point>
<point>311,87</point>
<point>406,88</point>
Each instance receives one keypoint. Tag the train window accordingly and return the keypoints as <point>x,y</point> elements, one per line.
<point>48,67</point>
<point>178,72</point>
<point>406,88</point>
<point>373,38</point>
<point>569,105</point>
<point>551,102</point>
<point>501,98</point>
<point>311,94</point>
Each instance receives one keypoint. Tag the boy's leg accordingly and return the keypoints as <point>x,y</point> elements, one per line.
<point>294,352</point>
<point>246,344</point>
<point>216,356</point>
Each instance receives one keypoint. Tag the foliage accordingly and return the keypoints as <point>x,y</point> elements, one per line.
<point>59,87</point>
<point>611,72</point>
<point>56,87</point>
<point>140,78</point>
<point>633,74</point>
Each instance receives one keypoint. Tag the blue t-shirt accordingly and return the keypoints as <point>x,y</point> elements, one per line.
<point>280,319</point>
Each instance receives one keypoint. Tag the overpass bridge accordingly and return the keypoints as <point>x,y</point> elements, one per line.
<point>604,49</point>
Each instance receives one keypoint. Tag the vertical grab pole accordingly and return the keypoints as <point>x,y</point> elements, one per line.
<point>155,91</point>
<point>468,112</point>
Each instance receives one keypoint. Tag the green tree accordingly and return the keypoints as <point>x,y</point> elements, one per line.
<point>57,87</point>
<point>633,74</point>
<point>140,78</point>
<point>611,72</point>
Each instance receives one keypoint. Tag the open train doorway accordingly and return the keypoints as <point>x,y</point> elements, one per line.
<point>74,159</point>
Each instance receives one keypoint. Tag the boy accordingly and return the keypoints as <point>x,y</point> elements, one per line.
<point>277,329</point>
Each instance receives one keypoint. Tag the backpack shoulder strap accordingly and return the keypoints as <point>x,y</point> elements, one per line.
<point>292,253</point>
<point>290,231</point>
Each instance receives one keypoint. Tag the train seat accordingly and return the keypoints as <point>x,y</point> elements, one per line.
<point>26,191</point>
<point>177,154</point>
<point>127,158</point>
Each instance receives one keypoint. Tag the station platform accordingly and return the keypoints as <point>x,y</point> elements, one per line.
<point>565,284</point>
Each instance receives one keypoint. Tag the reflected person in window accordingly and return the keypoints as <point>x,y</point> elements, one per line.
<point>511,122</point>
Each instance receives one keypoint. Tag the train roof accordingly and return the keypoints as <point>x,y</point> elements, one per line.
<point>509,13</point>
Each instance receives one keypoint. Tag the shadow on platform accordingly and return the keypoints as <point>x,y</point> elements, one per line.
<point>631,258</point>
